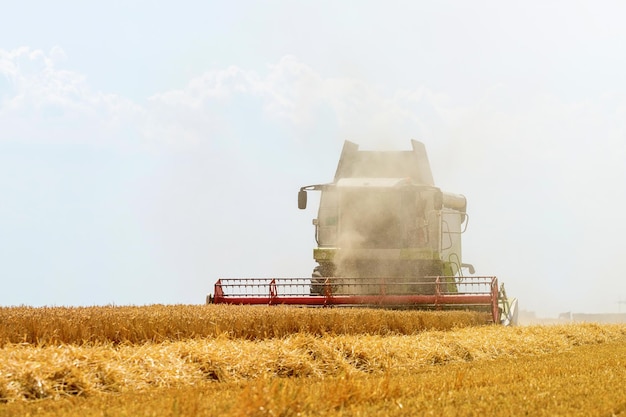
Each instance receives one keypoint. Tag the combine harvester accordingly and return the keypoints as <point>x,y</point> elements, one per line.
<point>387,237</point>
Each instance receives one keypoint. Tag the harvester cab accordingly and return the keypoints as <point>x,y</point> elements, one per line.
<point>386,236</point>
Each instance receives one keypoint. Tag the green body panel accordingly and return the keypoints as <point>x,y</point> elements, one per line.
<point>448,269</point>
<point>426,254</point>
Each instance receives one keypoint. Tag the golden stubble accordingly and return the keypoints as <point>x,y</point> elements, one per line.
<point>56,370</point>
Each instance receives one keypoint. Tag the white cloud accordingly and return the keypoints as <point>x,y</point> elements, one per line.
<point>47,104</point>
<point>294,95</point>
<point>528,133</point>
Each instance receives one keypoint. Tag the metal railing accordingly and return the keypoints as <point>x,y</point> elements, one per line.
<point>440,292</point>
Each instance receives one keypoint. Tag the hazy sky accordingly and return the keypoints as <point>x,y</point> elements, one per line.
<point>148,148</point>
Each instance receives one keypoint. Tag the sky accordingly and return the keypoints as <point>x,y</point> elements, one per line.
<point>149,148</point>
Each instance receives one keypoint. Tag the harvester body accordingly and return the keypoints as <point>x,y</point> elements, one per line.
<point>382,216</point>
<point>387,237</point>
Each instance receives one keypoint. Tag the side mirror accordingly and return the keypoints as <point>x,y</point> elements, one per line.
<point>302,199</point>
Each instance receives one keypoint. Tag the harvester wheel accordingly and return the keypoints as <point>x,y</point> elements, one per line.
<point>317,281</point>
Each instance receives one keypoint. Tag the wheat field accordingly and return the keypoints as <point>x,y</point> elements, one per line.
<point>285,361</point>
<point>160,323</point>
